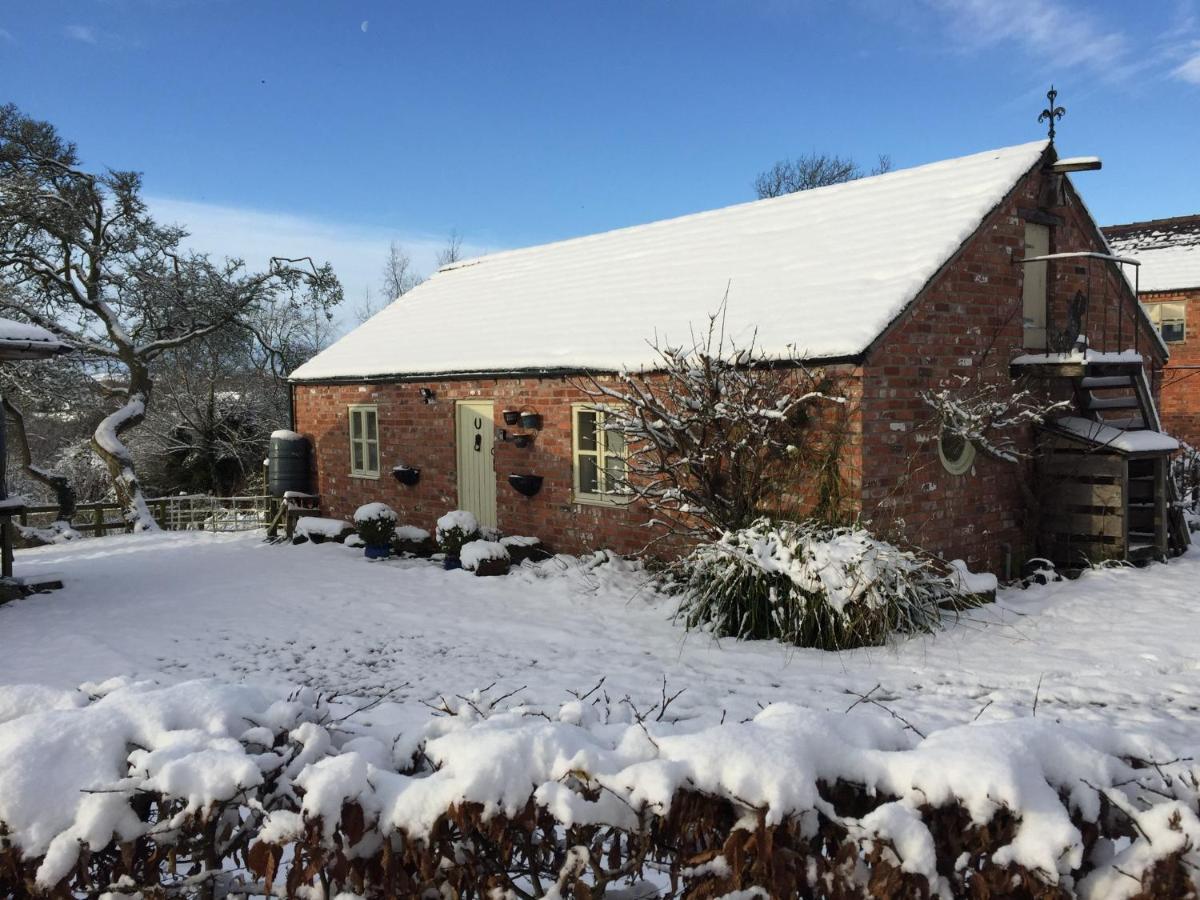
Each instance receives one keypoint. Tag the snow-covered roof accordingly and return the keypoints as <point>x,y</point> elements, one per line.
<point>824,270</point>
<point>1168,249</point>
<point>19,340</point>
<point>1117,438</point>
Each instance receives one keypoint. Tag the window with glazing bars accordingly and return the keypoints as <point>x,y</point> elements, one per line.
<point>364,441</point>
<point>599,457</point>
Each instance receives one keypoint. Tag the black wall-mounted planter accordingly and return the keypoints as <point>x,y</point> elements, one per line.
<point>408,475</point>
<point>522,440</point>
<point>531,420</point>
<point>526,484</point>
<point>511,416</point>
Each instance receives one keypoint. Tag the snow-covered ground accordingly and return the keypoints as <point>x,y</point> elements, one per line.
<point>1117,646</point>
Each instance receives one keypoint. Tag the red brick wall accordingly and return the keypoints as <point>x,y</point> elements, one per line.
<point>1181,378</point>
<point>968,319</point>
<point>418,434</point>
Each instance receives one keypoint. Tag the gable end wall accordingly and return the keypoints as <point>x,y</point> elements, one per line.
<point>968,323</point>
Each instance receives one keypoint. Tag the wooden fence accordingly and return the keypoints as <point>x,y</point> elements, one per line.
<point>186,512</point>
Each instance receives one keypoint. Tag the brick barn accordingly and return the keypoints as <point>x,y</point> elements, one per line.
<point>896,283</point>
<point>1169,251</point>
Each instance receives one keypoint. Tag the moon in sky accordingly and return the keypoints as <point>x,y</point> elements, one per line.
<point>364,26</point>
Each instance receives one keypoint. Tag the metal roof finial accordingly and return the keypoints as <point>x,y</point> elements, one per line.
<point>1051,113</point>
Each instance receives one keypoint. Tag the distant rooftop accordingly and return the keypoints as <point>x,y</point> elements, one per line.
<point>1168,249</point>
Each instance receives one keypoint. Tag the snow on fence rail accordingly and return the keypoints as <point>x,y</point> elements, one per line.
<point>185,512</point>
<point>225,789</point>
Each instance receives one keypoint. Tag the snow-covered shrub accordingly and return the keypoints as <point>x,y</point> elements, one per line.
<point>485,557</point>
<point>376,523</point>
<point>206,789</point>
<point>1185,473</point>
<point>811,584</point>
<point>414,540</point>
<point>717,431</point>
<point>522,547</point>
<point>456,528</point>
<point>319,529</point>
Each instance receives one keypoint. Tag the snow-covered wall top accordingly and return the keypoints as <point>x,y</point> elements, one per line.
<point>1168,249</point>
<point>824,271</point>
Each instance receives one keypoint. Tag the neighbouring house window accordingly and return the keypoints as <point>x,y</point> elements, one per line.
<point>956,452</point>
<point>364,441</point>
<point>599,457</point>
<point>1169,319</point>
<point>1033,285</point>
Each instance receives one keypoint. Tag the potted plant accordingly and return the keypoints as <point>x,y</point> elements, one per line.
<point>376,524</point>
<point>511,416</point>
<point>531,420</point>
<point>454,529</point>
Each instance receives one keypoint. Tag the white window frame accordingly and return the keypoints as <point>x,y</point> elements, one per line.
<point>604,496</point>
<point>1154,309</point>
<point>365,471</point>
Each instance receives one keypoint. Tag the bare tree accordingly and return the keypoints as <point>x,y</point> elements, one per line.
<point>368,307</point>
<point>713,431</point>
<point>83,258</point>
<point>452,252</point>
<point>813,170</point>
<point>399,276</point>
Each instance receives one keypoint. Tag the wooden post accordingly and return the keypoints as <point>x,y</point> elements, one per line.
<point>1161,532</point>
<point>6,564</point>
<point>98,519</point>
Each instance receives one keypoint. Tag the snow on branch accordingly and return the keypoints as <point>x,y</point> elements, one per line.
<point>989,415</point>
<point>707,432</point>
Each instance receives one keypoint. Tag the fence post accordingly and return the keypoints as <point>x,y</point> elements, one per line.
<point>98,519</point>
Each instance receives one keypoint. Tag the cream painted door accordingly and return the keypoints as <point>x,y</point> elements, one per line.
<point>1034,291</point>
<point>476,465</point>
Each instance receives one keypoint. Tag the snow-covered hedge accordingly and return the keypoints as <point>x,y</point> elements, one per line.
<point>376,523</point>
<point>456,528</point>
<point>812,585</point>
<point>485,557</point>
<point>201,787</point>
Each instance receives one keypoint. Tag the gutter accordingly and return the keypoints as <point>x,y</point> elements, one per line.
<point>563,372</point>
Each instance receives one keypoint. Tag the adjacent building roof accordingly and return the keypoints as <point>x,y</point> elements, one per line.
<point>824,271</point>
<point>19,340</point>
<point>1168,249</point>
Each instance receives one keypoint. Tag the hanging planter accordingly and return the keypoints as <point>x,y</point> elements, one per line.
<point>531,420</point>
<point>528,485</point>
<point>407,475</point>
<point>511,416</point>
<point>522,440</point>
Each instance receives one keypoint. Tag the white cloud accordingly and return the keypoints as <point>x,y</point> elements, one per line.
<point>357,253</point>
<point>7,36</point>
<point>1189,71</point>
<point>1051,30</point>
<point>85,33</point>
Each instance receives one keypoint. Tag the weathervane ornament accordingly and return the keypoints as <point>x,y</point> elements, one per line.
<point>1051,113</point>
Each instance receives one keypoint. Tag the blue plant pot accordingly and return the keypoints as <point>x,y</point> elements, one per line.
<point>377,552</point>
<point>451,562</point>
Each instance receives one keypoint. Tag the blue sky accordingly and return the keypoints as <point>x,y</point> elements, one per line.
<point>331,127</point>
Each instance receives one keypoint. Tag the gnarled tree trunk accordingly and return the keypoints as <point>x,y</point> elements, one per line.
<point>108,444</point>
<point>64,492</point>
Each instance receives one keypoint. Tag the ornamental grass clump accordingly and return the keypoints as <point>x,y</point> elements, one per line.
<point>813,585</point>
